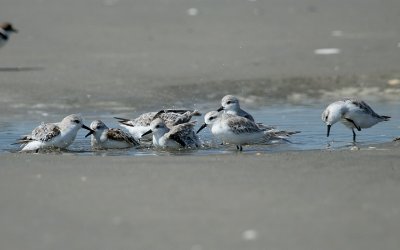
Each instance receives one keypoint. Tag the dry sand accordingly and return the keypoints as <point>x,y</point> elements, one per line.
<point>119,55</point>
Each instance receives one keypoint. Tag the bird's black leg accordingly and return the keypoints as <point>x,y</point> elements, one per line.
<point>239,147</point>
<point>354,135</point>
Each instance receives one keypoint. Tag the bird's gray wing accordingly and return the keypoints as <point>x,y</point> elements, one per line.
<point>119,135</point>
<point>183,134</point>
<point>143,120</point>
<point>44,132</point>
<point>241,125</point>
<point>362,106</point>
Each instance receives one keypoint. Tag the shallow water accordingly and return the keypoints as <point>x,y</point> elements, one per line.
<point>295,118</point>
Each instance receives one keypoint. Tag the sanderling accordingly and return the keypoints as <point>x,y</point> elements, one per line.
<point>353,114</point>
<point>177,136</point>
<point>137,127</point>
<point>5,31</point>
<point>108,138</point>
<point>53,135</point>
<point>230,105</point>
<point>239,130</point>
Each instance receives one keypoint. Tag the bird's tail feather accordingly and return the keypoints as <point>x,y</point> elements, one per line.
<point>23,140</point>
<point>124,121</point>
<point>121,119</point>
<point>275,134</point>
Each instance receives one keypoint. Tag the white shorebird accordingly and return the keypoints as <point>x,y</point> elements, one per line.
<point>239,130</point>
<point>230,105</point>
<point>137,127</point>
<point>6,29</point>
<point>104,137</point>
<point>354,114</point>
<point>178,136</point>
<point>53,135</point>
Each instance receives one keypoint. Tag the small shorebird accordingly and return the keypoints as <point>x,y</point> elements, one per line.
<point>53,135</point>
<point>230,105</point>
<point>178,136</point>
<point>5,31</point>
<point>140,125</point>
<point>239,130</point>
<point>109,138</point>
<point>354,114</point>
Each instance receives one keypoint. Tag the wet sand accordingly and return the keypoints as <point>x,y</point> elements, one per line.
<point>108,54</point>
<point>133,56</point>
<point>296,200</point>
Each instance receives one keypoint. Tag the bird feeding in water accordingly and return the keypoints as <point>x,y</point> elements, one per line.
<point>354,114</point>
<point>240,131</point>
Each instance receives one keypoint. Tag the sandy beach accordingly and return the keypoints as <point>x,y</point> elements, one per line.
<point>107,54</point>
<point>119,56</point>
<point>303,200</point>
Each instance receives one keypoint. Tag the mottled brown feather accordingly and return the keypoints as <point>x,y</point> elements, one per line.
<point>119,135</point>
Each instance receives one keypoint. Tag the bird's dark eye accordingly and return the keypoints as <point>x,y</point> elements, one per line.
<point>98,127</point>
<point>76,121</point>
<point>157,126</point>
<point>228,102</point>
<point>212,118</point>
<point>326,118</point>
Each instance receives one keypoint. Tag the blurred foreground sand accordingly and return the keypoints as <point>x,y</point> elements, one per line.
<point>116,54</point>
<point>304,200</point>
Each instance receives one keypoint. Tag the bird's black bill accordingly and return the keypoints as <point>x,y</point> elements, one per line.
<point>201,128</point>
<point>220,109</point>
<point>328,130</point>
<point>148,132</point>
<point>90,133</point>
<point>86,127</point>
